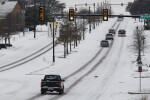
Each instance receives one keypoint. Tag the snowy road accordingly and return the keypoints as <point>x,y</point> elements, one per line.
<point>103,78</point>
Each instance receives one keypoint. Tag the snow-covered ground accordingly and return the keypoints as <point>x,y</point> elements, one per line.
<point>115,73</point>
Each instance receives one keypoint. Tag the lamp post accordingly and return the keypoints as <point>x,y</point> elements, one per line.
<point>75,18</point>
<point>89,16</point>
<point>89,13</point>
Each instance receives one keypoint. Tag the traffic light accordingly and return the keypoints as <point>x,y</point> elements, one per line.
<point>71,14</point>
<point>105,14</point>
<point>41,13</point>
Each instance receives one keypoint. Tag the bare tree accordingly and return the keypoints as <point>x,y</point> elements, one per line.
<point>139,42</point>
<point>69,33</point>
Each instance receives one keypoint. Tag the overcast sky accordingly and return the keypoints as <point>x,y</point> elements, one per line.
<point>117,9</point>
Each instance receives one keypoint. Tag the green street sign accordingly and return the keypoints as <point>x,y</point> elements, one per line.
<point>52,19</point>
<point>144,16</point>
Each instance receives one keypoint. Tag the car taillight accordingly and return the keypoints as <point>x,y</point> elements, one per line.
<point>41,84</point>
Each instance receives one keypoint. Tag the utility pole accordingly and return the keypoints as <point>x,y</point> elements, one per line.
<point>34,18</point>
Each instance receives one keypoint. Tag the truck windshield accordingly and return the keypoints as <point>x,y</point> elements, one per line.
<point>52,78</point>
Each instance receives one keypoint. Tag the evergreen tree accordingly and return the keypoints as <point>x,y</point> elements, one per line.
<point>139,7</point>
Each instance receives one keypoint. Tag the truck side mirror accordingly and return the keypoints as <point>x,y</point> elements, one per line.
<point>63,80</point>
<point>42,79</point>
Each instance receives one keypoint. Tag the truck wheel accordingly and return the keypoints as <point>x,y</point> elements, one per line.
<point>61,91</point>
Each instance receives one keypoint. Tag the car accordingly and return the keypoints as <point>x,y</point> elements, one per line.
<point>109,36</point>
<point>52,83</point>
<point>112,31</point>
<point>120,18</point>
<point>104,43</point>
<point>122,32</point>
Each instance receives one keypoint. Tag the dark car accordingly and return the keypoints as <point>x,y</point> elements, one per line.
<point>52,83</point>
<point>121,32</point>
<point>120,18</point>
<point>104,43</point>
<point>112,31</point>
<point>109,36</point>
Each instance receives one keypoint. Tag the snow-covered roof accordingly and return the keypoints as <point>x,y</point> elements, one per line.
<point>6,8</point>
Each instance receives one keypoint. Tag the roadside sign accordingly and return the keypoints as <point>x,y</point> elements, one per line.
<point>144,16</point>
<point>52,19</point>
<point>55,24</point>
<point>26,29</point>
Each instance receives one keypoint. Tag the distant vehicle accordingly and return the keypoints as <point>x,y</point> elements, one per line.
<point>104,43</point>
<point>112,31</point>
<point>121,32</point>
<point>109,36</point>
<point>52,83</point>
<point>120,18</point>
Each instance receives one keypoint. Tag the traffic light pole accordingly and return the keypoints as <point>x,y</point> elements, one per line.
<point>53,44</point>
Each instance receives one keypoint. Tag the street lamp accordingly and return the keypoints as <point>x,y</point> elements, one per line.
<point>89,17</point>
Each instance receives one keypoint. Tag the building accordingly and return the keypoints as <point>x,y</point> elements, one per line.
<point>11,17</point>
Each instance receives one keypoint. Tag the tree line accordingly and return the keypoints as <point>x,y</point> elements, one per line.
<point>32,11</point>
<point>140,7</point>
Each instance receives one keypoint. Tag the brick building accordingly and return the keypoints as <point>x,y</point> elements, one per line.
<point>11,17</point>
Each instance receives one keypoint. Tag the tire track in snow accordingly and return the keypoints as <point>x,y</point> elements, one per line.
<point>86,74</point>
<point>113,69</point>
<point>80,69</point>
<point>108,76</point>
<point>27,58</point>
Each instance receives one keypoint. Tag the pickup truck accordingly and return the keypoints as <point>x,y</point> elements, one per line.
<point>52,83</point>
